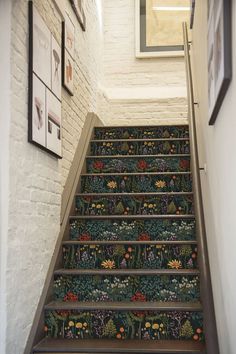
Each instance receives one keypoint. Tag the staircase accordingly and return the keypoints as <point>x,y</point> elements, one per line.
<point>130,279</point>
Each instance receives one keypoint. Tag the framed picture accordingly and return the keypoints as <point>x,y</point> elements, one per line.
<point>219,54</point>
<point>78,8</point>
<point>53,114</point>
<point>158,27</point>
<point>192,12</point>
<point>44,83</point>
<point>68,52</point>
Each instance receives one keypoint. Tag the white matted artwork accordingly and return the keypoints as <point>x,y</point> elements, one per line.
<point>69,36</point>
<point>68,72</point>
<point>53,114</point>
<point>41,49</point>
<point>56,68</point>
<point>44,94</point>
<point>39,112</point>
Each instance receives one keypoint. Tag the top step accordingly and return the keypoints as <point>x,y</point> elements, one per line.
<point>141,132</point>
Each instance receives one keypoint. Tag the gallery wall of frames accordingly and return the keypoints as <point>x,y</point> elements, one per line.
<point>51,66</point>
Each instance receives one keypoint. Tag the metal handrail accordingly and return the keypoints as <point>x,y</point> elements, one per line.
<point>212,346</point>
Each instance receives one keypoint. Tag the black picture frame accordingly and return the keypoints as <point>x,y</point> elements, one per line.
<point>219,55</point>
<point>79,13</point>
<point>31,76</point>
<point>192,13</point>
<point>64,52</point>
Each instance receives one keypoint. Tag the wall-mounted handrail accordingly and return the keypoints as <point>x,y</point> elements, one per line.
<point>212,346</point>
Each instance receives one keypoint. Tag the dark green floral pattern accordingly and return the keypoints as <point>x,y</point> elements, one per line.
<point>135,205</point>
<point>96,288</point>
<point>142,132</point>
<point>136,183</point>
<point>132,230</point>
<point>130,256</point>
<point>152,147</point>
<point>124,325</point>
<point>136,164</point>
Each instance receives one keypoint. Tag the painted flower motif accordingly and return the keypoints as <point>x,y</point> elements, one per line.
<point>71,323</point>
<point>108,264</point>
<point>79,325</point>
<point>147,324</point>
<point>174,264</point>
<point>142,165</point>
<point>155,326</point>
<point>70,297</point>
<point>184,164</point>
<point>160,184</point>
<point>112,185</point>
<point>144,237</point>
<point>138,296</point>
<point>84,237</point>
<point>98,165</point>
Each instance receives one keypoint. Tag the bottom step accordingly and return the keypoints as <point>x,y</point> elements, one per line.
<point>68,346</point>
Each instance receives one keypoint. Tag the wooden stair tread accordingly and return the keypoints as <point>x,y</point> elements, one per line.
<point>161,216</point>
<point>115,242</point>
<point>125,306</point>
<point>126,272</point>
<point>115,346</point>
<point>123,194</point>
<point>135,173</point>
<point>138,139</point>
<point>135,156</point>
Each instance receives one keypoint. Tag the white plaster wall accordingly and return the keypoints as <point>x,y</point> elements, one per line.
<point>5,27</point>
<point>140,90</point>
<point>217,145</point>
<point>36,179</point>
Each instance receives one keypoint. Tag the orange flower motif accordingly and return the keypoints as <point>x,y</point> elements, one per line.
<point>127,255</point>
<point>118,336</point>
<point>108,264</point>
<point>174,264</point>
<point>160,184</point>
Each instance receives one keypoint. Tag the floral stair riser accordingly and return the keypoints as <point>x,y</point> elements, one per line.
<point>132,230</point>
<point>135,205</point>
<point>138,164</point>
<point>136,183</point>
<point>127,288</point>
<point>125,325</point>
<point>139,147</point>
<point>162,132</point>
<point>174,221</point>
<point>130,256</point>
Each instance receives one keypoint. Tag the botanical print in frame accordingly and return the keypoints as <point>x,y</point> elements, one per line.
<point>56,68</point>
<point>41,49</point>
<point>219,54</point>
<point>44,78</point>
<point>78,8</point>
<point>69,36</point>
<point>53,114</point>
<point>68,72</point>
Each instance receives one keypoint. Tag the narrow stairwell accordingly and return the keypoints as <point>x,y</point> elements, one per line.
<point>130,279</point>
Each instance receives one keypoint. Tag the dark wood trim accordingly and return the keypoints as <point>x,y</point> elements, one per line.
<point>136,156</point>
<point>133,217</point>
<point>71,243</point>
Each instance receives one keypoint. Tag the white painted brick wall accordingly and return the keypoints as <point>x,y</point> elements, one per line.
<point>36,178</point>
<point>123,70</point>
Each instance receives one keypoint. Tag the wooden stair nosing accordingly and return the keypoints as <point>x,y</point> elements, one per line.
<point>136,174</point>
<point>135,156</point>
<point>126,272</point>
<point>94,242</point>
<point>125,306</point>
<point>137,139</point>
<point>103,346</point>
<point>134,194</point>
<point>162,216</point>
<point>142,126</point>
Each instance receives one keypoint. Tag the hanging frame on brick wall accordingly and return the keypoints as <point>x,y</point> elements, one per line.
<point>78,8</point>
<point>219,55</point>
<point>68,54</point>
<point>44,99</point>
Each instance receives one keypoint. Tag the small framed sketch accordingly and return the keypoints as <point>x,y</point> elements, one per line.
<point>219,54</point>
<point>78,8</point>
<point>68,54</point>
<point>44,85</point>
<point>192,12</point>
